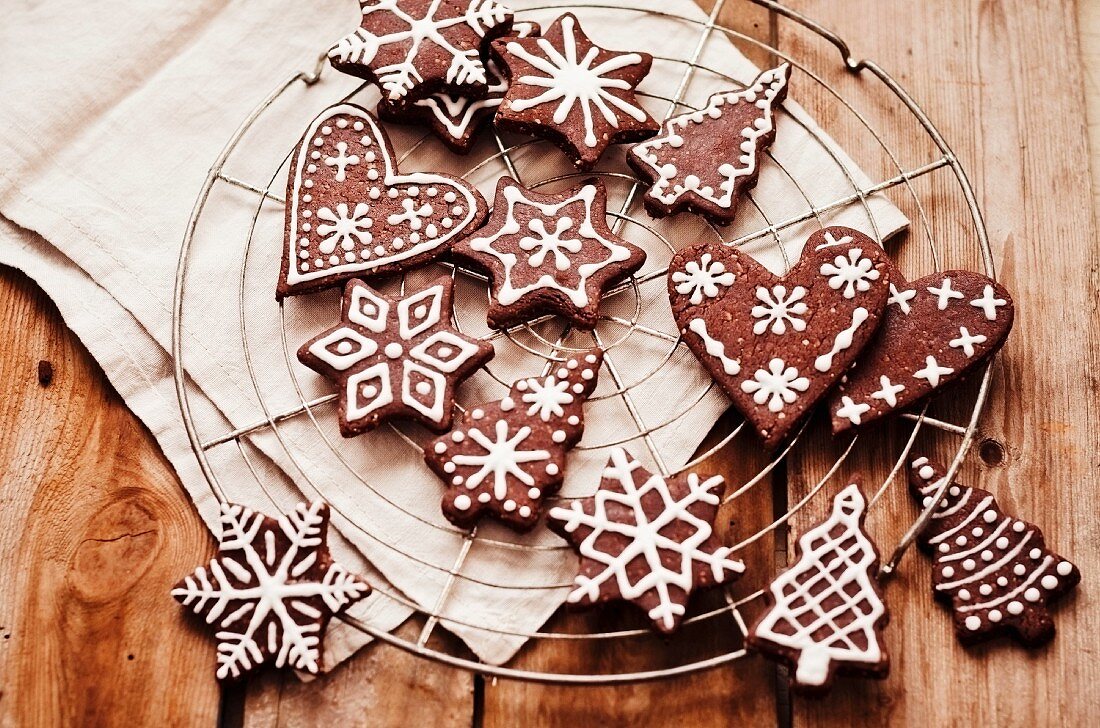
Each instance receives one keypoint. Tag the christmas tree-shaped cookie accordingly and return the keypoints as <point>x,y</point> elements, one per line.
<point>826,611</point>
<point>994,570</point>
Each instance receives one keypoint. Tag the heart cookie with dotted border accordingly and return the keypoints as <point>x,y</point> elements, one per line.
<point>935,330</point>
<point>350,212</point>
<point>777,345</point>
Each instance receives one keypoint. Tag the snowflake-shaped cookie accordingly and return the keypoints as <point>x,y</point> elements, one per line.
<point>705,160</point>
<point>412,48</point>
<point>549,253</point>
<point>646,539</point>
<point>271,589</point>
<point>506,456</point>
<point>567,89</point>
<point>395,357</point>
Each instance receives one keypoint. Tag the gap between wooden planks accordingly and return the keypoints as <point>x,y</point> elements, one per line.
<point>84,487</point>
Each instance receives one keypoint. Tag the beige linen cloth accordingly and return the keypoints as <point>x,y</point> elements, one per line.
<point>111,114</point>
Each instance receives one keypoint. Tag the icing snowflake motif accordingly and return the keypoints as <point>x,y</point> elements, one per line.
<point>395,357</point>
<point>342,161</point>
<point>547,398</point>
<point>563,257</point>
<point>667,523</point>
<point>343,228</point>
<point>853,273</point>
<point>271,589</point>
<point>506,456</point>
<point>827,608</point>
<point>777,385</point>
<point>399,43</point>
<point>932,371</point>
<point>779,309</point>
<point>702,278</point>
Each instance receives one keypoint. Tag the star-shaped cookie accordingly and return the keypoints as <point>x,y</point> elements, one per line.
<point>395,357</point>
<point>568,90</point>
<point>549,254</point>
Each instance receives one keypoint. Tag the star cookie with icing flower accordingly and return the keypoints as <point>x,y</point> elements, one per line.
<point>568,90</point>
<point>413,48</point>
<point>706,160</point>
<point>395,357</point>
<point>350,212</point>
<point>506,457</point>
<point>548,254</point>
<point>934,331</point>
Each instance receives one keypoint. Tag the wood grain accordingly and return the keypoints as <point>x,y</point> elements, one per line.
<point>95,531</point>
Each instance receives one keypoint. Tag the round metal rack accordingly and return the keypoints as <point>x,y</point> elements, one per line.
<point>531,340</point>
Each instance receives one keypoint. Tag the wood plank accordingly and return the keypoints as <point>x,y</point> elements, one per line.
<point>94,530</point>
<point>975,67</point>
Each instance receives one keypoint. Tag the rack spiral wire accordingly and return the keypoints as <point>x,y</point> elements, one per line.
<point>554,350</point>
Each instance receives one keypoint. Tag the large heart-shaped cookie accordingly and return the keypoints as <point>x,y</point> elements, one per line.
<point>934,330</point>
<point>776,345</point>
<point>349,212</point>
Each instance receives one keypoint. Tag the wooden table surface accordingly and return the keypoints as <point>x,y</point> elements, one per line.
<point>94,527</point>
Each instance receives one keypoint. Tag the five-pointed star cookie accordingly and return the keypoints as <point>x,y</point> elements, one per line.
<point>271,589</point>
<point>412,48</point>
<point>549,254</point>
<point>578,95</point>
<point>395,357</point>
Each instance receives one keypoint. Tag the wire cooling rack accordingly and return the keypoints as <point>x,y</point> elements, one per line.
<point>720,618</point>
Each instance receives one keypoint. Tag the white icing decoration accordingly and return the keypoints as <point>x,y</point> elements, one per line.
<point>715,348</point>
<point>778,309</point>
<point>843,340</point>
<point>277,610</point>
<point>702,278</point>
<point>989,303</point>
<point>901,298</point>
<point>851,410</point>
<point>932,371</point>
<point>342,160</point>
<point>777,385</point>
<point>966,341</point>
<point>853,273</point>
<point>888,391</point>
<point>462,502</point>
<point>573,81</point>
<point>834,563</point>
<point>502,458</point>
<point>547,398</point>
<point>646,533</point>
<point>944,294</point>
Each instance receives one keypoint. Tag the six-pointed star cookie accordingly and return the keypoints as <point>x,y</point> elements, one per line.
<point>271,589</point>
<point>395,357</point>
<point>412,48</point>
<point>578,95</point>
<point>548,254</point>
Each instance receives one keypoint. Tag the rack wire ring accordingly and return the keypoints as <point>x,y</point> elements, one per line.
<point>708,29</point>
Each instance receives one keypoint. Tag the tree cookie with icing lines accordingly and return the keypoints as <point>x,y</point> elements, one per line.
<point>646,539</point>
<point>350,212</point>
<point>934,331</point>
<point>271,589</point>
<point>994,570</point>
<point>456,119</point>
<point>548,254</point>
<point>395,357</point>
<point>705,160</point>
<point>566,89</point>
<point>777,345</point>
<point>413,48</point>
<point>826,613</point>
<point>506,457</point>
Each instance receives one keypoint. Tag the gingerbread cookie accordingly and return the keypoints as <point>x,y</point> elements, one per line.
<point>994,570</point>
<point>934,331</point>
<point>568,90</point>
<point>826,612</point>
<point>777,345</point>
<point>350,212</point>
<point>705,160</point>
<point>395,357</point>
<point>506,456</point>
<point>548,254</point>
<point>646,539</point>
<point>271,590</point>
<point>413,48</point>
<point>454,118</point>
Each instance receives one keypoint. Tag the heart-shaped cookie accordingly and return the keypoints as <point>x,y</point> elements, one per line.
<point>776,345</point>
<point>935,329</point>
<point>350,213</point>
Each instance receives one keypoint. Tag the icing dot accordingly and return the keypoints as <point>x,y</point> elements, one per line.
<point>333,259</point>
<point>973,623</point>
<point>391,193</point>
<point>587,374</point>
<point>441,447</point>
<point>1002,581</point>
<point>987,555</point>
<point>534,493</point>
<point>994,616</point>
<point>449,467</point>
<point>318,141</point>
<point>1018,526</point>
<point>990,516</point>
<point>308,183</point>
<point>358,126</point>
<point>342,123</point>
<point>413,191</point>
<point>961,541</point>
<point>477,414</point>
<point>522,385</point>
<point>591,358</point>
<point>1015,608</point>
<point>948,572</point>
<point>344,347</point>
<point>1002,543</point>
<point>985,590</point>
<point>311,168</point>
<point>1036,553</point>
<point>484,498</point>
<point>423,388</point>
<point>507,404</point>
<point>307,198</point>
<point>509,505</point>
<point>558,436</point>
<point>1065,568</point>
<point>552,469</point>
<point>969,564</point>
<point>1049,582</point>
<point>563,373</point>
<point>578,388</point>
<point>977,532</point>
<point>525,511</point>
<point>1019,570</point>
<point>432,192</point>
<point>1032,595</point>
<point>463,502</point>
<point>926,472</point>
<point>370,391</point>
<point>326,130</point>
<point>450,197</point>
<point>953,490</point>
<point>572,364</point>
<point>574,420</point>
<point>927,502</point>
<point>393,350</point>
<point>964,594</point>
<point>458,436</point>
<point>944,548</point>
<point>314,155</point>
